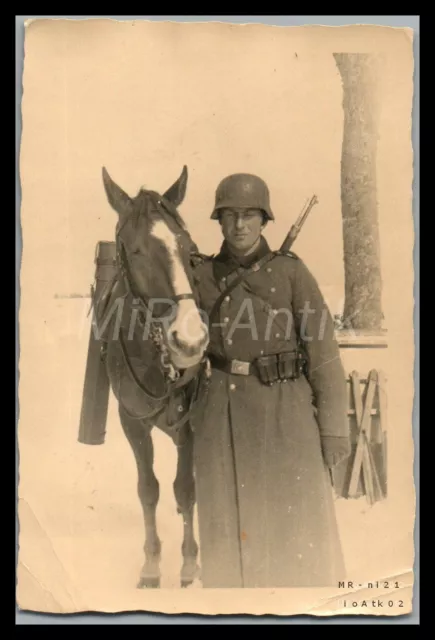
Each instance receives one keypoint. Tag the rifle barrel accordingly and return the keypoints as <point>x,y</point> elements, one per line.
<point>308,208</point>
<point>294,231</point>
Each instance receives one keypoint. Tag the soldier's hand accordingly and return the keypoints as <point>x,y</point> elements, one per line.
<point>335,449</point>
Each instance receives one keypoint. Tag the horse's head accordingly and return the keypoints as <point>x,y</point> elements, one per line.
<point>154,254</point>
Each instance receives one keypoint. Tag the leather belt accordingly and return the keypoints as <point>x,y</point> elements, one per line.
<point>235,367</point>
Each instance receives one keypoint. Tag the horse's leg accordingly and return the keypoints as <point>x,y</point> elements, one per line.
<point>184,491</point>
<point>139,436</point>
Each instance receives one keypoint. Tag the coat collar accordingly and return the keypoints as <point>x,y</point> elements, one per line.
<point>225,261</point>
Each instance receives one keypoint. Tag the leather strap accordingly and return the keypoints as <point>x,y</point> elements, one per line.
<point>247,272</point>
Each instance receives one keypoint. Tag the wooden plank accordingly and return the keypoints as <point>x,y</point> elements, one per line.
<point>367,475</point>
<point>352,339</point>
<point>343,471</point>
<point>378,493</point>
<point>373,412</point>
<point>382,394</point>
<point>368,469</point>
<point>383,427</point>
<point>364,426</point>
<point>357,401</point>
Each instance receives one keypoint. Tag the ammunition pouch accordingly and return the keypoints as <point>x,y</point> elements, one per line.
<point>279,367</point>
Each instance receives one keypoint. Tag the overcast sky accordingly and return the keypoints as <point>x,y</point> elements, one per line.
<point>143,103</point>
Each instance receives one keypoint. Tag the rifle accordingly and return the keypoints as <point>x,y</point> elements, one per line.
<point>295,229</point>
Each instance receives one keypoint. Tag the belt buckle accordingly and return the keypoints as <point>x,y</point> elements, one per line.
<point>239,367</point>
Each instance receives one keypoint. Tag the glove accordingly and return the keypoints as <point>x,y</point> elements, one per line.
<point>335,449</point>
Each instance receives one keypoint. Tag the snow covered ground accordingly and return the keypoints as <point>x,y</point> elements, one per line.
<point>82,528</point>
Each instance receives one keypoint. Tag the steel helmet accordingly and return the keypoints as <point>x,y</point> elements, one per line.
<point>242,190</point>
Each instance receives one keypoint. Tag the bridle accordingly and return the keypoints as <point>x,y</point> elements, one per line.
<point>174,377</point>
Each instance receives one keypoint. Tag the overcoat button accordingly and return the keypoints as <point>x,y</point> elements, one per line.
<point>227,298</point>
<point>232,387</point>
<point>273,289</point>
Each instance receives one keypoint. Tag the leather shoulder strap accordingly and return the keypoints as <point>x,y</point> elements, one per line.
<point>254,267</point>
<point>287,254</point>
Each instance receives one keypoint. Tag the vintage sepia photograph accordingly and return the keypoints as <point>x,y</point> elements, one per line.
<point>216,319</point>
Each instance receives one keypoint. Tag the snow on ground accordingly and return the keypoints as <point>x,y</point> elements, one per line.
<point>82,528</point>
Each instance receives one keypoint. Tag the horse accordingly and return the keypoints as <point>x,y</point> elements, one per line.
<point>155,351</point>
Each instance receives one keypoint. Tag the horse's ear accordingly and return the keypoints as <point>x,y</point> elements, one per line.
<point>176,193</point>
<point>117,198</point>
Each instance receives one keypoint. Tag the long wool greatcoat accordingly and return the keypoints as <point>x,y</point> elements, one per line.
<point>264,495</point>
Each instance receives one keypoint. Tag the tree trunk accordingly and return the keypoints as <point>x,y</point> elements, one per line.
<point>363,286</point>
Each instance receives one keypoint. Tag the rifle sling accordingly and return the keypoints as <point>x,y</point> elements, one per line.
<point>254,267</point>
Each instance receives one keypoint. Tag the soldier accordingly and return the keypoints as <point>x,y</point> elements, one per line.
<point>273,419</point>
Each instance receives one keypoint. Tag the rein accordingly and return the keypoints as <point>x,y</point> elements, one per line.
<point>174,379</point>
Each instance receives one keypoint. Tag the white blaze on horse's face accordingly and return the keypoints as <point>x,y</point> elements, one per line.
<point>187,335</point>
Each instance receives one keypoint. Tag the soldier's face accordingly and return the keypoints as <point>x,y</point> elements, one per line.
<point>241,228</point>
